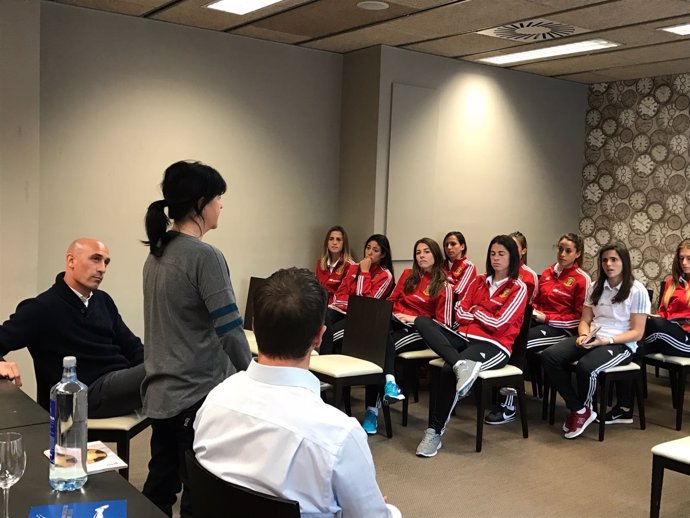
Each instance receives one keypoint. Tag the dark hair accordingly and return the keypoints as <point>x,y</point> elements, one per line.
<point>187,188</point>
<point>386,258</point>
<point>461,239</point>
<point>579,245</point>
<point>438,276</point>
<point>289,310</point>
<point>677,274</point>
<point>347,255</point>
<point>523,242</point>
<point>628,277</point>
<point>511,246</point>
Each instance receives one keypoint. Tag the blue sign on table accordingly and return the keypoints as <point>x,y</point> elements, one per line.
<point>104,509</point>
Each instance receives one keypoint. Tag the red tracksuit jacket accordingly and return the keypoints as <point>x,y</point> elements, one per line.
<point>561,297</point>
<point>420,303</point>
<point>376,283</point>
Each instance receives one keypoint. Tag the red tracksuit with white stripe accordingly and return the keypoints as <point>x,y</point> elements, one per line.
<point>662,335</point>
<point>376,283</point>
<point>493,318</point>
<point>529,277</point>
<point>677,306</point>
<point>420,303</point>
<point>331,278</point>
<point>460,274</point>
<point>561,296</point>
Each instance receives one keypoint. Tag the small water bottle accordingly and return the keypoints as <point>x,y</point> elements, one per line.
<point>68,429</point>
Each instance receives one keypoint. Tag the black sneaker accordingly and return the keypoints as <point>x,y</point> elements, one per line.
<point>619,416</point>
<point>502,415</point>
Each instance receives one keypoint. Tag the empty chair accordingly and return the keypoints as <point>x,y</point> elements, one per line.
<point>213,497</point>
<point>254,283</point>
<point>673,455</point>
<point>119,430</point>
<point>364,350</point>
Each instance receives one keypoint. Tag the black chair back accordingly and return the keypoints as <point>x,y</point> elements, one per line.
<point>213,497</point>
<point>366,328</point>
<point>517,358</point>
<point>254,283</point>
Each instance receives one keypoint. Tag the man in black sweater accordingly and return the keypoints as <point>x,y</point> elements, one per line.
<point>74,318</point>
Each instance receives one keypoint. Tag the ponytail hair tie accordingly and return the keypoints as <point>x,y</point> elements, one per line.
<point>158,205</point>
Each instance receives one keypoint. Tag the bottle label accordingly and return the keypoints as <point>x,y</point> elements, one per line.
<point>53,425</point>
<point>67,457</point>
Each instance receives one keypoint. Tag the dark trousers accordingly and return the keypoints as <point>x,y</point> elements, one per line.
<point>590,362</point>
<point>453,348</point>
<point>332,341</point>
<point>401,338</point>
<point>170,438</point>
<point>666,337</point>
<point>542,336</point>
<point>116,393</point>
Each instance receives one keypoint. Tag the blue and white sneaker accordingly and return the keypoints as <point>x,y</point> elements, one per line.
<point>392,393</point>
<point>370,422</point>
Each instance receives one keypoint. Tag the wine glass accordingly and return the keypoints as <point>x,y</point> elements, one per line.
<point>12,464</point>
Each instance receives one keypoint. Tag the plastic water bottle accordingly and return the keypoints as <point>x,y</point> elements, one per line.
<point>68,429</point>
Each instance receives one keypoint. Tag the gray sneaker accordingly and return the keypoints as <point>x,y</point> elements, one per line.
<point>431,443</point>
<point>466,371</point>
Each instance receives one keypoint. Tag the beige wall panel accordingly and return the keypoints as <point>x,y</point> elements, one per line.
<point>267,116</point>
<point>19,164</point>
<point>131,7</point>
<point>509,152</point>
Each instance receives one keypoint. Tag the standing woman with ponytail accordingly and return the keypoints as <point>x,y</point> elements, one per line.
<point>191,322</point>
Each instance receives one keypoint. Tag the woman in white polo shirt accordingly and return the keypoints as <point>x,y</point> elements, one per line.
<point>613,320</point>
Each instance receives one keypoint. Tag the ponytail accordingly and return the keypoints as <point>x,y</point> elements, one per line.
<point>157,227</point>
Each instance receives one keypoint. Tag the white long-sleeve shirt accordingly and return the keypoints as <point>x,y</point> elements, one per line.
<point>268,429</point>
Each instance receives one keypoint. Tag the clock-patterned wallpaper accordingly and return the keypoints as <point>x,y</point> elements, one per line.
<point>637,172</point>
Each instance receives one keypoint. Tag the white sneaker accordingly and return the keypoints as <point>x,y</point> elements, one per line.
<point>466,371</point>
<point>431,443</point>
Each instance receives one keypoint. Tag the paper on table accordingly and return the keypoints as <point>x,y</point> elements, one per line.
<point>99,458</point>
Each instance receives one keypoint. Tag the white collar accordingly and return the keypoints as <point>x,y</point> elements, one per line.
<point>287,376</point>
<point>85,300</point>
<point>490,281</point>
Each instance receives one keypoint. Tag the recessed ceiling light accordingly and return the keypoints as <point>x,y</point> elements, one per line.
<point>683,30</point>
<point>372,5</point>
<point>240,6</point>
<point>549,52</point>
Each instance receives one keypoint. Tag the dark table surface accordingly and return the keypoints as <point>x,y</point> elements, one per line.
<point>18,409</point>
<point>33,489</point>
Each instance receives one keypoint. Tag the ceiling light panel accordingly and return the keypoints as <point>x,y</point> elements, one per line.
<point>550,52</point>
<point>241,6</point>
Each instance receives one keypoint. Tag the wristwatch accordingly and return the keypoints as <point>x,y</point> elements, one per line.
<point>611,341</point>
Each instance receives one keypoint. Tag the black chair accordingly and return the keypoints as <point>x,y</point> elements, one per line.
<point>254,283</point>
<point>678,368</point>
<point>364,352</point>
<point>671,455</point>
<point>213,497</point>
<point>488,382</point>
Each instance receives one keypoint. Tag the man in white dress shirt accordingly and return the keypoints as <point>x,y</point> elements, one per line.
<point>267,428</point>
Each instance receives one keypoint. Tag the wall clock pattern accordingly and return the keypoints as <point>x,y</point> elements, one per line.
<point>637,171</point>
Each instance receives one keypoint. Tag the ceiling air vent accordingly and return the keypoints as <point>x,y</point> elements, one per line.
<point>539,29</point>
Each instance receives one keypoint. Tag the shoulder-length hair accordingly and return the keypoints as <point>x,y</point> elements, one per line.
<point>461,239</point>
<point>438,276</point>
<point>677,274</point>
<point>511,246</point>
<point>628,277</point>
<point>386,258</point>
<point>579,243</point>
<point>346,255</point>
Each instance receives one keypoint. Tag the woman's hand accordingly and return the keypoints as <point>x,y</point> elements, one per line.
<point>406,319</point>
<point>539,316</point>
<point>365,265</point>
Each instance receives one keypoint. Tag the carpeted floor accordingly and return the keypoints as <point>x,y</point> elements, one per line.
<point>542,476</point>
